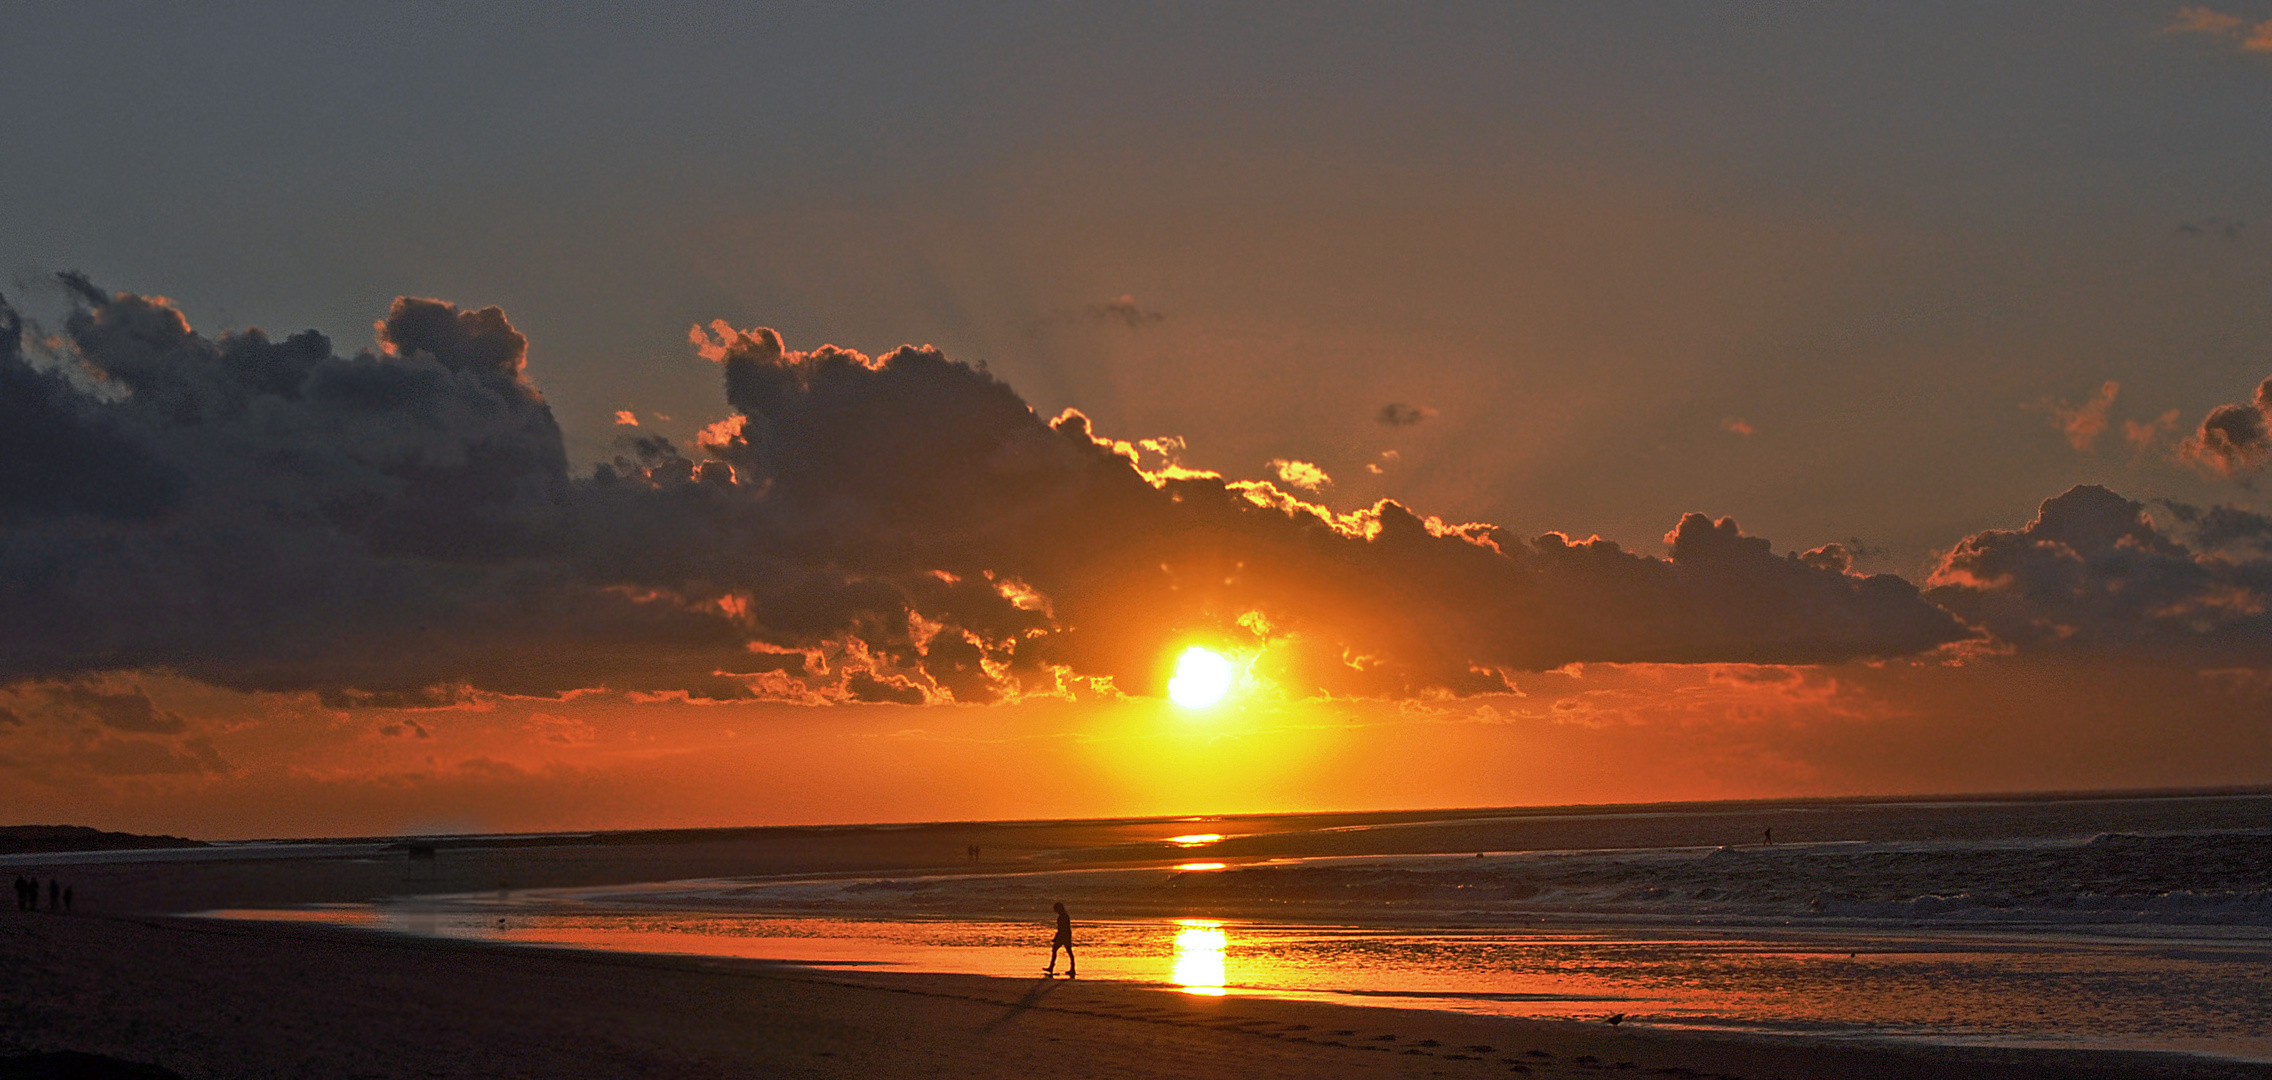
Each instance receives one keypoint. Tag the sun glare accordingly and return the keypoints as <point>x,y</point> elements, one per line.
<point>1199,945</point>
<point>1201,679</point>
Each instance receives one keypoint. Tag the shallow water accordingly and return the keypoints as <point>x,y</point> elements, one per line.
<point>2032,923</point>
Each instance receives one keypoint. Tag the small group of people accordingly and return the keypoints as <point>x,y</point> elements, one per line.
<point>27,894</point>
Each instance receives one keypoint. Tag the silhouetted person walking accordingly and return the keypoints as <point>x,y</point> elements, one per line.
<point>1064,940</point>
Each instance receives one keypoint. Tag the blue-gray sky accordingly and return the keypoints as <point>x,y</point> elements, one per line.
<point>1585,235</point>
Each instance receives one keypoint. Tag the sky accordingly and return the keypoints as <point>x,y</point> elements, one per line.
<point>1588,403</point>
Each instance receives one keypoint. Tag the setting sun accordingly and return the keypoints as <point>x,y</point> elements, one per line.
<point>1201,679</point>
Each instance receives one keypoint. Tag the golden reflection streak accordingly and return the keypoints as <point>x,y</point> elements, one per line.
<point>1195,839</point>
<point>1198,967</point>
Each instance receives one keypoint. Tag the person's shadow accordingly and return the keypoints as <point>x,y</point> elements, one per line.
<point>1041,989</point>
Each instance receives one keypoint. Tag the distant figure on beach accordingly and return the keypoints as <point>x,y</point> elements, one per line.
<point>24,891</point>
<point>1767,835</point>
<point>1064,940</point>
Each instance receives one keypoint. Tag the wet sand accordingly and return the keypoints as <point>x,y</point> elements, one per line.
<point>209,999</point>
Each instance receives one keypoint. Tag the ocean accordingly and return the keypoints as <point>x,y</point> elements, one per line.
<point>2135,921</point>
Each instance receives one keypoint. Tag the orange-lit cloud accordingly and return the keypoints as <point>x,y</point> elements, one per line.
<point>2196,19</point>
<point>2233,441</point>
<point>2203,20</point>
<point>2083,423</point>
<point>625,418</point>
<point>2143,435</point>
<point>1738,426</point>
<point>278,764</point>
<point>721,434</point>
<point>1300,474</point>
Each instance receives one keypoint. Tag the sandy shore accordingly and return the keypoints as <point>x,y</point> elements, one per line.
<point>206,998</point>
<point>210,999</point>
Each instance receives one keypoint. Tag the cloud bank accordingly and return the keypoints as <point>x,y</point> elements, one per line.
<point>391,526</point>
<point>2094,573</point>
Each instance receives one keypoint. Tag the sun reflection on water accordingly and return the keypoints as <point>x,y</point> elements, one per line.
<point>1199,956</point>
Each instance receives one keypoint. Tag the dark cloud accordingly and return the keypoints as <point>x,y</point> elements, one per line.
<point>1858,548</point>
<point>59,455</point>
<point>2093,571</point>
<point>386,521</point>
<point>2233,440</point>
<point>2228,228</point>
<point>2223,526</point>
<point>129,710</point>
<point>149,757</point>
<point>1124,310</point>
<point>1399,414</point>
<point>399,527</point>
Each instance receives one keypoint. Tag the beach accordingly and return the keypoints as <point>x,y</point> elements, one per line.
<point>1286,945</point>
<point>214,999</point>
